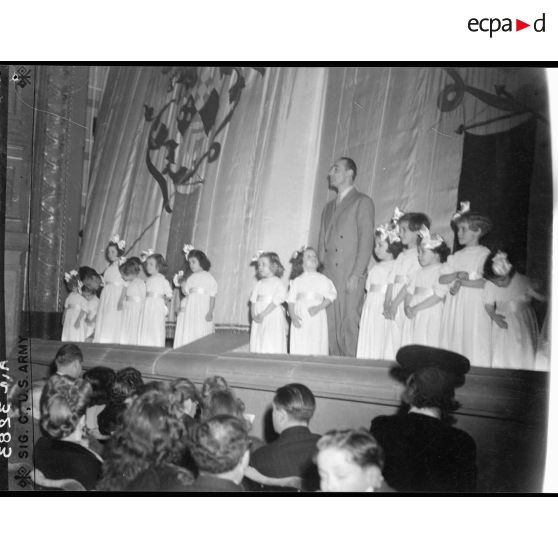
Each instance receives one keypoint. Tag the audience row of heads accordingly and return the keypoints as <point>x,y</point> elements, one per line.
<point>157,425</point>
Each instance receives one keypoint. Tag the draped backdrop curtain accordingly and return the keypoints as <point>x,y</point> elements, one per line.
<point>265,186</point>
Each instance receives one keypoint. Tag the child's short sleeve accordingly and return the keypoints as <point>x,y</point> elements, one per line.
<point>279,293</point>
<point>254,293</point>
<point>167,290</point>
<point>291,295</point>
<point>412,282</point>
<point>212,286</point>
<point>331,291</point>
<point>440,290</point>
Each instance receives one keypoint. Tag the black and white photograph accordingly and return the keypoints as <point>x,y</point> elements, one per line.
<point>281,280</point>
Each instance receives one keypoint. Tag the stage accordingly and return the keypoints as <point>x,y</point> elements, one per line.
<point>505,411</point>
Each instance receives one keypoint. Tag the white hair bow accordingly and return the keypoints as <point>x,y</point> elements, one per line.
<point>397,214</point>
<point>257,256</point>
<point>145,254</point>
<point>464,207</point>
<point>296,253</point>
<point>187,248</point>
<point>176,278</point>
<point>68,276</point>
<point>389,233</point>
<point>501,266</point>
<point>120,243</point>
<point>430,240</point>
<point>122,260</point>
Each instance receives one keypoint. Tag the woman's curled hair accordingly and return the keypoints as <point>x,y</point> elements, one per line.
<point>63,402</point>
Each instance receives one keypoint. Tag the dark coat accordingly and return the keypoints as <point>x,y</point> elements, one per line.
<point>422,454</point>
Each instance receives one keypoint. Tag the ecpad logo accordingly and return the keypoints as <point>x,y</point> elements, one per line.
<point>494,24</point>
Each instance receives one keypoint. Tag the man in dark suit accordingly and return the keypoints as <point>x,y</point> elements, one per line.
<point>345,246</point>
<point>292,453</point>
<point>422,452</point>
<point>221,450</point>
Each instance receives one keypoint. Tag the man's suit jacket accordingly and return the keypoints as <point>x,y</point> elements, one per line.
<point>346,237</point>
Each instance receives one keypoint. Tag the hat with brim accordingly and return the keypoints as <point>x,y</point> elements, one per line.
<point>435,371</point>
<point>417,357</point>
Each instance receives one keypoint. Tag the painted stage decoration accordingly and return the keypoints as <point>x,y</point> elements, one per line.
<point>452,96</point>
<point>195,130</point>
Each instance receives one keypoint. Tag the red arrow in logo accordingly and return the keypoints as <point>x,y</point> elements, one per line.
<point>519,25</point>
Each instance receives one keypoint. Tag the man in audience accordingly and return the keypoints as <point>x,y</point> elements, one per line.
<point>422,452</point>
<point>292,453</point>
<point>221,450</point>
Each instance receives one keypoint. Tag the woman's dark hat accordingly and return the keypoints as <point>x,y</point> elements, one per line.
<point>417,357</point>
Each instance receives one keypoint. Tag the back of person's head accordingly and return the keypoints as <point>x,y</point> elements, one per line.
<point>101,379</point>
<point>213,383</point>
<point>297,401</point>
<point>431,387</point>
<point>131,267</point>
<point>127,383</point>
<point>415,220</point>
<point>151,432</point>
<point>219,444</point>
<point>64,401</point>
<point>223,403</point>
<point>90,278</point>
<point>68,360</point>
<point>498,265</point>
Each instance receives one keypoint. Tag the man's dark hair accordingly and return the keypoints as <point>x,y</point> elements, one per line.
<point>101,379</point>
<point>67,354</point>
<point>350,165</point>
<point>218,444</point>
<point>297,400</point>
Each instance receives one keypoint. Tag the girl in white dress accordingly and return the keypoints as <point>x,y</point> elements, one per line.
<point>268,332</point>
<point>310,293</point>
<point>404,268</point>
<point>507,299</point>
<point>75,309</point>
<point>373,323</point>
<point>424,301</point>
<point>465,324</point>
<point>92,306</point>
<point>107,325</point>
<point>154,313</point>
<point>131,301</point>
<point>195,316</point>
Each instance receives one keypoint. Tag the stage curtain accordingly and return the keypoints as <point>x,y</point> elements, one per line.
<point>258,195</point>
<point>123,198</point>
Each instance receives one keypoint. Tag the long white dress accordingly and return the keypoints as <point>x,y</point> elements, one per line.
<point>131,311</point>
<point>154,313</point>
<point>269,336</point>
<point>107,326</point>
<point>402,272</point>
<point>92,309</point>
<point>424,328</point>
<point>465,324</point>
<point>190,322</point>
<point>515,346</point>
<point>74,305</point>
<point>306,290</point>
<point>373,325</point>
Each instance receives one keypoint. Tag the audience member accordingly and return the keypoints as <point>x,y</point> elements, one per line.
<point>101,380</point>
<point>349,461</point>
<point>225,403</point>
<point>143,452</point>
<point>291,454</point>
<point>213,383</point>
<point>62,452</point>
<point>127,383</point>
<point>422,452</point>
<point>221,449</point>
<point>188,398</point>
